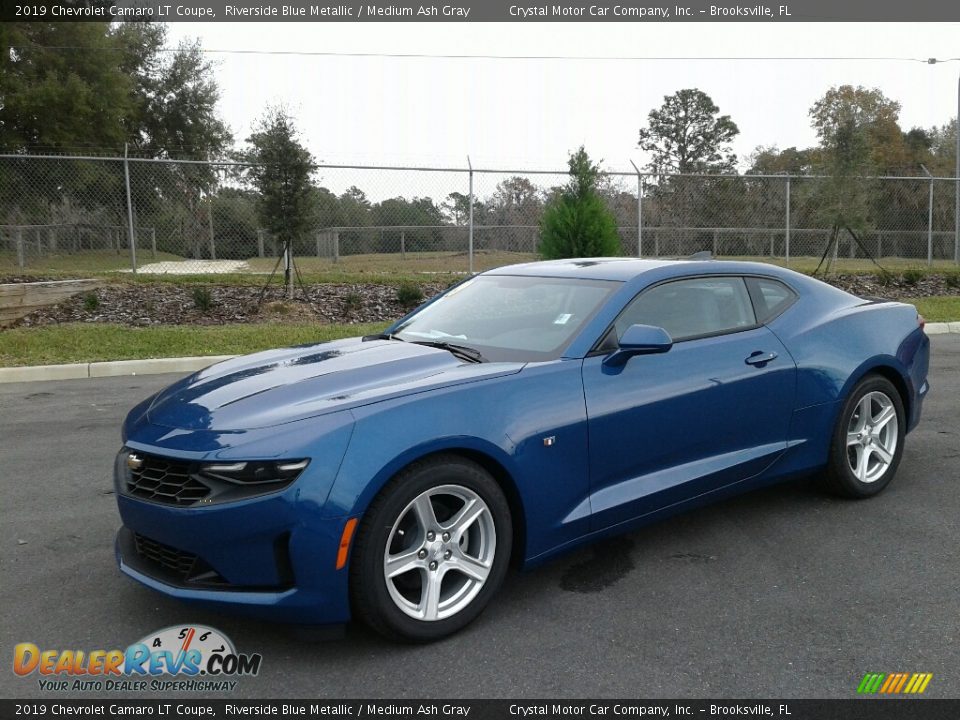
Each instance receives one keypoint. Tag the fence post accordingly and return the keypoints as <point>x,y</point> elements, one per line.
<point>213,244</point>
<point>18,239</point>
<point>319,235</point>
<point>470,239</point>
<point>153,242</point>
<point>786,237</point>
<point>403,245</point>
<point>639,210</point>
<point>930,228</point>
<point>132,238</point>
<point>336,246</point>
<point>260,242</point>
<point>53,240</point>
<point>716,232</point>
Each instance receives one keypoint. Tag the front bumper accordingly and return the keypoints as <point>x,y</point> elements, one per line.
<point>271,558</point>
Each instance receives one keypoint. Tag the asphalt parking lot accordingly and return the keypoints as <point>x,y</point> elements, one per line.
<point>782,593</point>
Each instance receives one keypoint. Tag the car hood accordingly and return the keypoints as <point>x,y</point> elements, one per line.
<point>280,386</point>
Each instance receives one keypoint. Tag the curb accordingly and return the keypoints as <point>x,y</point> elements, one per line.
<point>942,328</point>
<point>156,366</point>
<point>108,369</point>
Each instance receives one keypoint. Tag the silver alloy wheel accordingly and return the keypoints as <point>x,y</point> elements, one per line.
<point>872,437</point>
<point>439,552</point>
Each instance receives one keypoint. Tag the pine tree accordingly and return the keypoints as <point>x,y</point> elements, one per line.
<point>577,223</point>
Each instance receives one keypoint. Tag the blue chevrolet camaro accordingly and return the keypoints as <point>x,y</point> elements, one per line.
<point>520,414</point>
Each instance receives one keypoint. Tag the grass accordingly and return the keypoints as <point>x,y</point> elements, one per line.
<point>938,309</point>
<point>81,264</point>
<point>384,268</point>
<point>91,342</point>
<point>391,264</point>
<point>847,266</point>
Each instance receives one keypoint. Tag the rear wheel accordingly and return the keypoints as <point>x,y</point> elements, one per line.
<point>868,439</point>
<point>432,550</point>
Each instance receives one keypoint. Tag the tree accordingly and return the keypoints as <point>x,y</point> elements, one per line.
<point>773,161</point>
<point>457,207</point>
<point>94,85</point>
<point>858,130</point>
<point>687,135</point>
<point>577,223</point>
<point>92,88</point>
<point>859,138</point>
<point>943,149</point>
<point>281,170</point>
<point>176,99</point>
<point>54,99</point>
<point>400,211</point>
<point>856,127</point>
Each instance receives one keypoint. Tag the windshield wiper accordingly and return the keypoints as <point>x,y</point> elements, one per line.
<point>382,336</point>
<point>461,351</point>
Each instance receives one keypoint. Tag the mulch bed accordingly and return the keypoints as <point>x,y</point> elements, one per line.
<point>140,305</point>
<point>156,304</point>
<point>895,287</point>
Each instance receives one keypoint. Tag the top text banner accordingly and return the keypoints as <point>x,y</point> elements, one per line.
<point>484,11</point>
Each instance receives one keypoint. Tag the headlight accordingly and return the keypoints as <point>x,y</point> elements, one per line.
<point>255,473</point>
<point>184,483</point>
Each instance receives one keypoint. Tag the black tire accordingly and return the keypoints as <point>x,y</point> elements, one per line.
<point>370,596</point>
<point>839,477</point>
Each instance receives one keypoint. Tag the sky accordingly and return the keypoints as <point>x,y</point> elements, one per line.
<point>521,114</point>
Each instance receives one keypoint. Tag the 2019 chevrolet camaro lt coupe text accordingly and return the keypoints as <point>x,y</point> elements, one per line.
<point>518,415</point>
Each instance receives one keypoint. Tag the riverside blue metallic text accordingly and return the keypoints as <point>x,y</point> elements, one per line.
<point>526,411</point>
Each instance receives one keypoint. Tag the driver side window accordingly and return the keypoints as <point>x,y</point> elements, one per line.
<point>691,308</point>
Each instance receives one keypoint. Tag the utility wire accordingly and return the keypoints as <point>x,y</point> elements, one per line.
<point>465,56</point>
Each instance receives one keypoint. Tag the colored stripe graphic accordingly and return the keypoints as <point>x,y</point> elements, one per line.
<point>894,683</point>
<point>870,683</point>
<point>900,684</point>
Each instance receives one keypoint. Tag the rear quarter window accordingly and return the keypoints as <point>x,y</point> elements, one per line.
<point>770,297</point>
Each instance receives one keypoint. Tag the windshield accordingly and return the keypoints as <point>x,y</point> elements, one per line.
<point>509,317</point>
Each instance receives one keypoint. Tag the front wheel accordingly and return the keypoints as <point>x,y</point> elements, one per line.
<point>432,550</point>
<point>868,439</point>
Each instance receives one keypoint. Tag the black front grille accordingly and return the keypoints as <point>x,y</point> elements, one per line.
<point>165,481</point>
<point>176,561</point>
<point>180,565</point>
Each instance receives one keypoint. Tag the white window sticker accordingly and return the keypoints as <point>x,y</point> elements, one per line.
<point>563,318</point>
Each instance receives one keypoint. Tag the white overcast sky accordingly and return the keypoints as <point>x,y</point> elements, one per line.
<point>532,113</point>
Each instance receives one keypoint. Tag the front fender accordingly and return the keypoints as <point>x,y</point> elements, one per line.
<point>505,419</point>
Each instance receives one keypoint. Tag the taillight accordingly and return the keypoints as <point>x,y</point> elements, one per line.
<point>921,321</point>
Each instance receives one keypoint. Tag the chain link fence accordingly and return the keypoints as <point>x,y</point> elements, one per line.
<point>95,215</point>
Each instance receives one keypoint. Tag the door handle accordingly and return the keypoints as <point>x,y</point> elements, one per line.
<point>759,358</point>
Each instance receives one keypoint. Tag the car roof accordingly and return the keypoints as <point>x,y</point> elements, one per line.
<point>625,269</point>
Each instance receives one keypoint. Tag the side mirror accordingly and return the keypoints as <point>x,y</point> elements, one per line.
<point>639,340</point>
